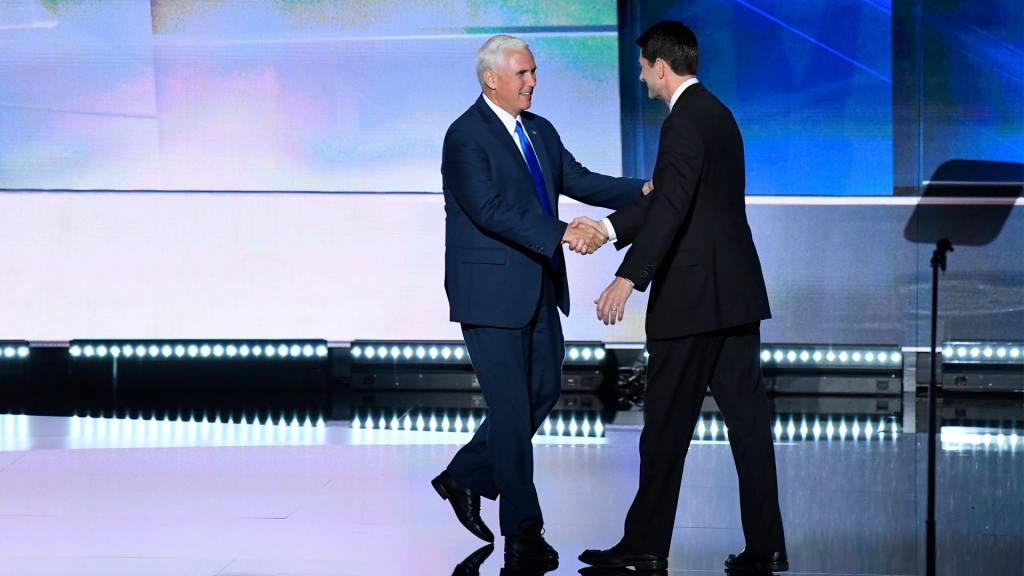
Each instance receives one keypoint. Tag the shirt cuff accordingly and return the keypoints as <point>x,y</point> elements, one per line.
<point>610,230</point>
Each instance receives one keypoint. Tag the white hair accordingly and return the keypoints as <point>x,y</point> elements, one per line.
<point>492,54</point>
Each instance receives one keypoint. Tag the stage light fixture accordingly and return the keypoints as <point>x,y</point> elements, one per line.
<point>983,366</point>
<point>14,350</point>
<point>831,369</point>
<point>223,350</point>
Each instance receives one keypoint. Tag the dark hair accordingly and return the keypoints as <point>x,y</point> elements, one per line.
<point>674,43</point>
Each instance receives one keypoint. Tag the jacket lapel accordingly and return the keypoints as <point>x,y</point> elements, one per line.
<point>545,162</point>
<point>500,133</point>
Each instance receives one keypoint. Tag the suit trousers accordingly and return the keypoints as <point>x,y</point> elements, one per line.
<point>679,371</point>
<point>520,375</point>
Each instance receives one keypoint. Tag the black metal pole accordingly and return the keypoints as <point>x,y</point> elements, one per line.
<point>938,261</point>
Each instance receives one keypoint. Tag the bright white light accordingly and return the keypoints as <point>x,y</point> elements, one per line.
<point>154,350</point>
<point>459,353</point>
<point>101,351</point>
<point>778,356</point>
<point>471,425</point>
<point>76,350</point>
<point>193,350</point>
<point>855,429</point>
<point>598,355</point>
<point>1014,352</point>
<point>896,357</point>
<point>987,352</point>
<point>547,426</point>
<point>574,354</point>
<point>805,356</point>
<point>830,429</point>
<point>179,350</point>
<point>817,356</point>
<point>370,352</point>
<point>115,351</point>
<point>975,352</point>
<point>869,357</point>
<point>791,429</point>
<point>766,355</point>
<point>23,352</point>
<point>586,353</point>
<point>140,351</point>
<point>257,350</point>
<point>419,423</point>
<point>89,350</point>
<point>355,422</point>
<point>1001,352</point>
<point>307,350</point>
<point>560,427</point>
<point>585,427</point>
<point>407,423</point>
<point>421,352</point>
<point>598,428</point>
<point>701,428</point>
<point>572,427</point>
<point>382,352</point>
<point>803,428</point>
<point>961,352</point>
<point>231,350</point>
<point>842,430</point>
<point>433,423</point>
<point>433,353</point>
<point>295,350</point>
<point>395,352</point>
<point>791,356</point>
<point>205,350</point>
<point>357,351</point>
<point>856,356</point>
<point>458,424</point>
<point>166,351</point>
<point>843,356</point>
<point>218,350</point>
<point>321,350</point>
<point>947,351</point>
<point>446,352</point>
<point>407,352</point>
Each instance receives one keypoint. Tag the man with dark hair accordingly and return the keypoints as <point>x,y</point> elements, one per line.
<point>691,241</point>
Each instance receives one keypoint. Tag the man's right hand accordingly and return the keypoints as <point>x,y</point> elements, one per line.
<point>585,236</point>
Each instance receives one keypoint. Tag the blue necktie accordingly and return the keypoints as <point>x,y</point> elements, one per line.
<point>533,164</point>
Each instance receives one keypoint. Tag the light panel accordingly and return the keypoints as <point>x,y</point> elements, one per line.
<point>982,353</point>
<point>13,351</point>
<point>814,357</point>
<point>166,350</point>
<point>790,428</point>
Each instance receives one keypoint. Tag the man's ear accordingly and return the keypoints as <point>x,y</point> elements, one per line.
<point>660,65</point>
<point>490,80</point>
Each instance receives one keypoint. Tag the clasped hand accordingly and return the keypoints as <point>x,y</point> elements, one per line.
<point>585,236</point>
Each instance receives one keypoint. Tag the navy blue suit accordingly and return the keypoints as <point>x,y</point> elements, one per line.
<point>504,291</point>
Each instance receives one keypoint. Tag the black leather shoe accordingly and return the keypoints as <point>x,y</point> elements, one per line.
<point>466,504</point>
<point>530,547</point>
<point>618,557</point>
<point>471,565</point>
<point>749,562</point>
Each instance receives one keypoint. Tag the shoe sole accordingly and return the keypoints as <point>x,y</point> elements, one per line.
<point>641,565</point>
<point>440,489</point>
<point>761,567</point>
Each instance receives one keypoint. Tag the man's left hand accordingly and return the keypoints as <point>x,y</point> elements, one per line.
<point>611,306</point>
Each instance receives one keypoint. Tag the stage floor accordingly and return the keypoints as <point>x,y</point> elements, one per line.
<point>105,496</point>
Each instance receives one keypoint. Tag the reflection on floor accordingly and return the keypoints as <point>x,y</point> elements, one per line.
<point>217,494</point>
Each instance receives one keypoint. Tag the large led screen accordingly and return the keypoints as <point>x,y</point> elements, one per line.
<point>280,95</point>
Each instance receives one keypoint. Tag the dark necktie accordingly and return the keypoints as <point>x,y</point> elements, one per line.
<point>533,163</point>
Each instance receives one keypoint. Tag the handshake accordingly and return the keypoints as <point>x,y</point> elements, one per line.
<point>585,236</point>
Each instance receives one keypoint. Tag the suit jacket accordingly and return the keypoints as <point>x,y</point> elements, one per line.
<point>690,238</point>
<point>497,237</point>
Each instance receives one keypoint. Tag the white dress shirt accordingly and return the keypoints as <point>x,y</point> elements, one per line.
<point>671,104</point>
<point>510,125</point>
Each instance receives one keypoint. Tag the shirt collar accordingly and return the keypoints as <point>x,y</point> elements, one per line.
<point>679,92</point>
<point>505,117</point>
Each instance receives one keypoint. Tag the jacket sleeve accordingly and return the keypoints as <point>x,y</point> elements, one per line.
<point>595,189</point>
<point>628,221</point>
<point>676,173</point>
<point>464,170</point>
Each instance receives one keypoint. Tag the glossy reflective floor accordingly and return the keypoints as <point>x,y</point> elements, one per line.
<point>313,497</point>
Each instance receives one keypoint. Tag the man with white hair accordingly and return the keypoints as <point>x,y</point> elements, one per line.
<point>503,170</point>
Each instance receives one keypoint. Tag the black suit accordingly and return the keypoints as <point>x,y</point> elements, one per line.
<point>691,242</point>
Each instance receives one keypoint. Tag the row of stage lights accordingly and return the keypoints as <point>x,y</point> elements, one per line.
<point>381,352</point>
<point>859,357</point>
<point>979,352</point>
<point>575,424</point>
<point>14,352</point>
<point>205,350</point>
